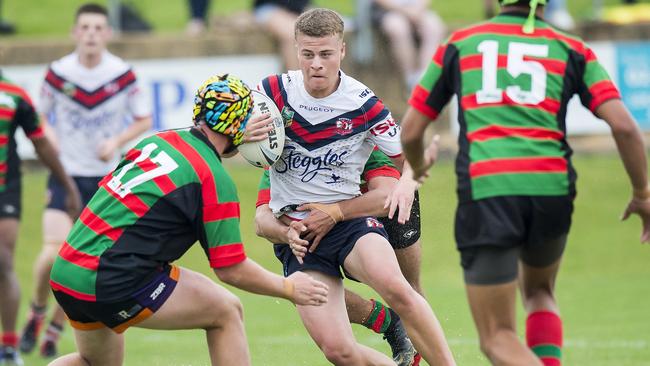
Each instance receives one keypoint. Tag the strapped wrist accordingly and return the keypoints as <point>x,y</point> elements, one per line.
<point>332,210</point>
<point>289,288</point>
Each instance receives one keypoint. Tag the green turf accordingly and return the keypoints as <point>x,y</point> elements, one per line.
<point>53,18</point>
<point>602,287</point>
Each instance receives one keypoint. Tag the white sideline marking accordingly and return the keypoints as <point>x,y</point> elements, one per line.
<point>372,340</point>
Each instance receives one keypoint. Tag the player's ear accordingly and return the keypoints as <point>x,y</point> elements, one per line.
<point>342,50</point>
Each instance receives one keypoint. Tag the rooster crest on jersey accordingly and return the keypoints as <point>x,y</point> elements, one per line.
<point>264,153</point>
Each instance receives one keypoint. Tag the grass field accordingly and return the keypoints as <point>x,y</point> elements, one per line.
<point>603,285</point>
<point>29,16</point>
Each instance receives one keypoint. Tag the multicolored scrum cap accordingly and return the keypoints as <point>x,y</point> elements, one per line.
<point>529,26</point>
<point>225,103</point>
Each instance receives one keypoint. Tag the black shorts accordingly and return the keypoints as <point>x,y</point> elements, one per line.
<point>119,315</point>
<point>490,265</point>
<point>535,226</point>
<point>56,193</point>
<point>10,202</point>
<point>328,258</point>
<point>404,235</point>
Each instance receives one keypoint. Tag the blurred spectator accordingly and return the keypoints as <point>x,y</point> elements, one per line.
<point>5,27</point>
<point>278,17</point>
<point>414,33</point>
<point>198,17</point>
<point>488,5</point>
<point>558,15</point>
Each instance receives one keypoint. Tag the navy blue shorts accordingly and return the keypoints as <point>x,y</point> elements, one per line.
<point>10,203</point>
<point>328,258</point>
<point>119,315</point>
<point>56,194</point>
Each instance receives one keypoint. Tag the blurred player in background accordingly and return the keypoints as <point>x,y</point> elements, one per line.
<point>413,31</point>
<point>16,110</point>
<point>379,175</point>
<point>333,123</point>
<point>171,190</point>
<point>89,94</point>
<point>277,17</point>
<point>514,76</point>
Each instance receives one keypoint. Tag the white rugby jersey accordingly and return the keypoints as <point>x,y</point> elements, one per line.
<point>88,106</point>
<point>328,140</point>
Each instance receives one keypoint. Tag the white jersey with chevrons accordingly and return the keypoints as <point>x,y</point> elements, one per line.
<point>88,106</point>
<point>328,140</point>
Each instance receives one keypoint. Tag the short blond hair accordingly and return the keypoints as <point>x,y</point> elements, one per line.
<point>319,22</point>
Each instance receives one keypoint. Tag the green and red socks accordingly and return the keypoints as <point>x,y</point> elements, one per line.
<point>544,336</point>
<point>9,339</point>
<point>380,318</point>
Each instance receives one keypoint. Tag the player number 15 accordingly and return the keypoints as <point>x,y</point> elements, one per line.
<point>516,65</point>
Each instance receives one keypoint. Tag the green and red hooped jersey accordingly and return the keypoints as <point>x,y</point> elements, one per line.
<point>16,109</point>
<point>512,89</point>
<point>169,191</point>
<point>378,165</point>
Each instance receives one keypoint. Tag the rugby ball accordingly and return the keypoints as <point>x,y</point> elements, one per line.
<point>264,153</point>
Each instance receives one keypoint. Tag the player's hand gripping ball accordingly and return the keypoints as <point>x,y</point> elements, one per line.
<point>264,153</point>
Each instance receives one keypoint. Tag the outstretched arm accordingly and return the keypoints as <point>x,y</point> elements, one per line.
<point>299,288</point>
<point>632,150</point>
<point>48,156</point>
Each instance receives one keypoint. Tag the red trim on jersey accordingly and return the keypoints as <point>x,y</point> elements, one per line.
<point>15,89</point>
<point>4,139</point>
<point>494,131</point>
<point>276,94</point>
<point>132,202</point>
<point>312,137</point>
<point>517,165</point>
<point>132,154</point>
<point>79,258</point>
<point>439,56</point>
<point>227,255</point>
<point>7,113</point>
<point>221,211</point>
<point>475,62</point>
<point>163,182</point>
<point>94,97</point>
<point>263,197</point>
<point>601,92</point>
<point>418,101</point>
<point>517,30</point>
<point>208,187</point>
<point>384,171</point>
<point>98,225</point>
<point>469,102</point>
<point>3,167</point>
<point>37,133</point>
<point>76,294</point>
